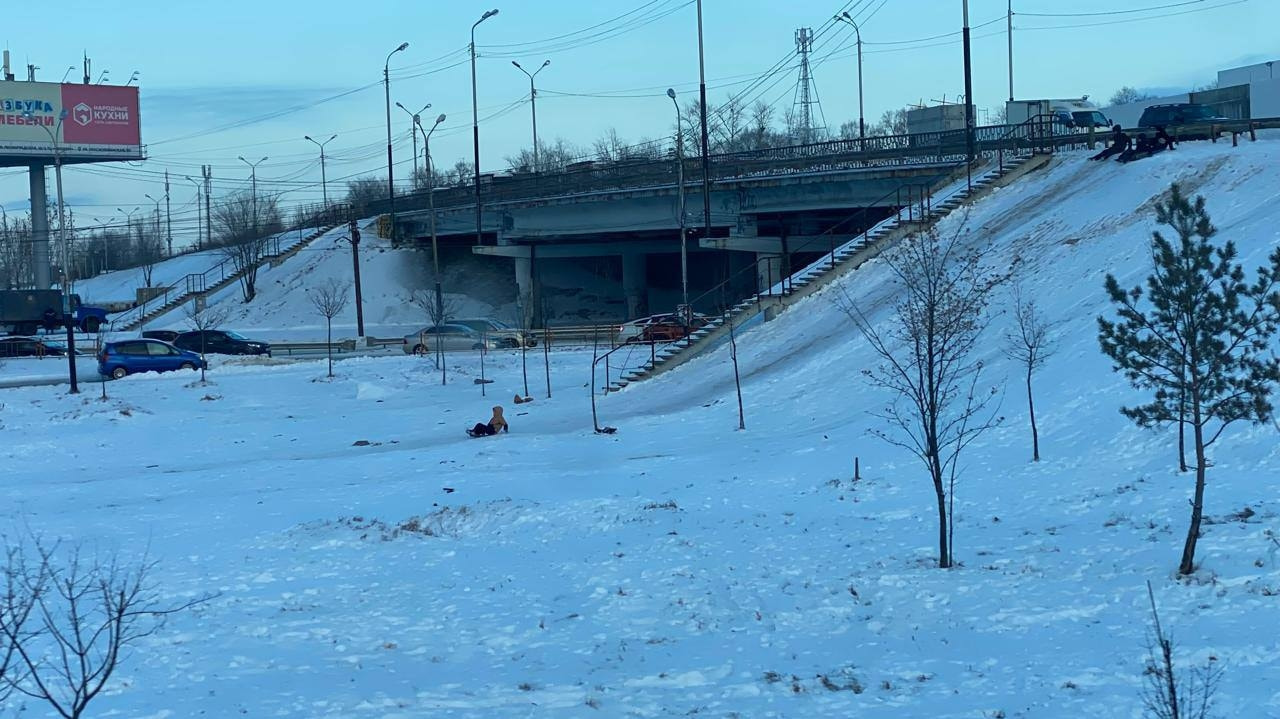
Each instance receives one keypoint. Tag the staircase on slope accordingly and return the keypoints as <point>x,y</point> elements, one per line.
<point>821,272</point>
<point>195,285</point>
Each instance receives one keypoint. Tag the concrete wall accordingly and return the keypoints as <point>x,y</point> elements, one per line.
<point>1249,74</point>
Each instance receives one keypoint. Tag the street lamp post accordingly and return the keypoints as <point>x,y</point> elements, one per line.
<point>475,119</point>
<point>324,182</point>
<point>414,121</point>
<point>533,106</point>
<point>128,227</point>
<point>684,252</point>
<point>391,186</point>
<point>199,224</point>
<point>155,222</point>
<point>968,97</point>
<point>706,160</point>
<point>862,124</point>
<point>253,184</point>
<point>66,253</point>
<point>431,205</point>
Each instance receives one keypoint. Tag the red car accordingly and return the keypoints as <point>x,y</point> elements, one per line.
<point>661,328</point>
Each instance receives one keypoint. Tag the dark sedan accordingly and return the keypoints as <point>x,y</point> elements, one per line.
<point>31,347</point>
<point>220,342</point>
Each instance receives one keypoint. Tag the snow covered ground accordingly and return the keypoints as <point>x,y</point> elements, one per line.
<point>681,567</point>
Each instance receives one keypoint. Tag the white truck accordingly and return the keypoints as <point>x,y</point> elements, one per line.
<point>1071,113</point>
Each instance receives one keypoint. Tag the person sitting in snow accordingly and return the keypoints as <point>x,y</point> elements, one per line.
<point>1140,149</point>
<point>1119,143</point>
<point>495,425</point>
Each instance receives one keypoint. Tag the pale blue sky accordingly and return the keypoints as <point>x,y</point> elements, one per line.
<point>247,78</point>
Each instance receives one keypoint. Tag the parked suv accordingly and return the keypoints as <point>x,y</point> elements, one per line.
<point>126,357</point>
<point>162,335</point>
<point>1177,114</point>
<point>221,342</point>
<point>504,333</point>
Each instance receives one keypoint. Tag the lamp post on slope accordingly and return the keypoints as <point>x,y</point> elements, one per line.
<point>475,120</point>
<point>431,204</point>
<point>324,181</point>
<point>862,124</point>
<point>533,106</point>
<point>684,252</point>
<point>391,187</point>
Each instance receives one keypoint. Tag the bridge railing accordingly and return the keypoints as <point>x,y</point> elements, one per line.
<point>1038,134</point>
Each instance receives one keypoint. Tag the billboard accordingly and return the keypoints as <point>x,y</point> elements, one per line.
<point>101,122</point>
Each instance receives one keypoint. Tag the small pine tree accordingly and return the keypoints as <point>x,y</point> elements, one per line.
<point>1198,338</point>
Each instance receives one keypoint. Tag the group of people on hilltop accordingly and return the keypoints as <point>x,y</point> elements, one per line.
<point>1125,149</point>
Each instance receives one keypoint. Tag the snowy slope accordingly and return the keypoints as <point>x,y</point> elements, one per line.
<point>122,285</point>
<point>681,567</point>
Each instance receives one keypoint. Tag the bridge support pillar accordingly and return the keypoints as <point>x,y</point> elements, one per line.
<point>635,284</point>
<point>40,268</point>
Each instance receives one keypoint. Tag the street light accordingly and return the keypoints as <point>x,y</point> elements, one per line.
<point>391,187</point>
<point>68,72</point>
<point>132,77</point>
<point>102,77</point>
<point>324,182</point>
<point>156,222</point>
<point>253,179</point>
<point>475,119</point>
<point>533,105</point>
<point>862,125</point>
<point>199,224</point>
<point>66,252</point>
<point>706,160</point>
<point>968,99</point>
<point>413,132</point>
<point>684,252</point>
<point>431,202</point>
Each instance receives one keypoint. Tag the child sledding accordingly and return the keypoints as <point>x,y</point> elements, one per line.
<point>496,424</point>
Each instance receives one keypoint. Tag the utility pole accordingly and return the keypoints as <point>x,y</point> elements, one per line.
<point>431,203</point>
<point>199,225</point>
<point>1009,18</point>
<point>706,160</point>
<point>253,180</point>
<point>207,172</point>
<point>968,98</point>
<point>391,186</point>
<point>475,121</point>
<point>862,123</point>
<point>415,119</point>
<point>324,182</point>
<point>354,233</point>
<point>686,312</point>
<point>168,216</point>
<point>533,106</point>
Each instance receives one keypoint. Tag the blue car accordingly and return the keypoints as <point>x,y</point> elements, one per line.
<point>126,357</point>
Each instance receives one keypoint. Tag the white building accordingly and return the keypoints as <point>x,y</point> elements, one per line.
<point>1252,91</point>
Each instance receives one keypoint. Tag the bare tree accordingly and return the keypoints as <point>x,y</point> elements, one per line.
<point>551,157</point>
<point>364,191</point>
<point>244,223</point>
<point>330,299</point>
<point>610,147</point>
<point>86,612</point>
<point>1169,694</point>
<point>1029,344</point>
<point>439,315</point>
<point>203,318</point>
<point>1127,94</point>
<point>925,351</point>
<point>22,584</point>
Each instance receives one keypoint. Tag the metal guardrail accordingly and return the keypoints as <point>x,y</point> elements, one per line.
<point>292,348</point>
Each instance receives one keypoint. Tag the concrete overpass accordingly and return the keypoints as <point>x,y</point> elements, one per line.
<point>619,221</point>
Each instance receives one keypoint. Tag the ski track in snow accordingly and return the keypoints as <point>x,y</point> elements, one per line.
<point>680,567</point>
